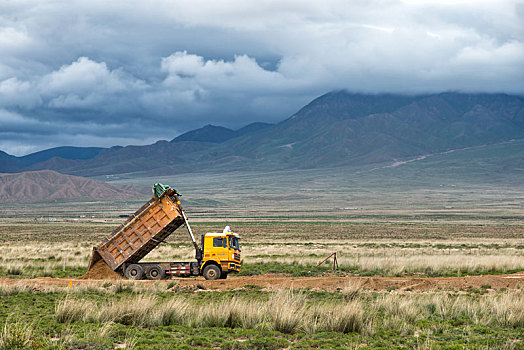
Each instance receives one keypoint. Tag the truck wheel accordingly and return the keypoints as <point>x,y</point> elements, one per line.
<point>134,272</point>
<point>211,272</point>
<point>155,272</point>
<point>223,276</point>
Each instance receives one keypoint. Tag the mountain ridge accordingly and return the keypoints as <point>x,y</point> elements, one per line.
<point>218,134</point>
<point>335,129</point>
<point>325,133</point>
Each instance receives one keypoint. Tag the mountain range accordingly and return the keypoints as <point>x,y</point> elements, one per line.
<point>336,129</point>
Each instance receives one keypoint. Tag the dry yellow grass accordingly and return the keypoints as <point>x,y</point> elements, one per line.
<point>30,248</point>
<point>289,312</point>
<point>390,257</point>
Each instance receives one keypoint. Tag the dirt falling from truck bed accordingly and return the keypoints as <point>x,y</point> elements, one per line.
<point>100,271</point>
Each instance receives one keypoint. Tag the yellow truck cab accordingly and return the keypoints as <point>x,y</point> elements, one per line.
<point>221,254</point>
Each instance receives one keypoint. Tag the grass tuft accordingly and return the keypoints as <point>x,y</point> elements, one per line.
<point>290,312</point>
<point>16,335</point>
<point>344,319</point>
<point>287,309</point>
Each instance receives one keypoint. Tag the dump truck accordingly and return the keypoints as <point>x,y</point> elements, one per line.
<point>149,226</point>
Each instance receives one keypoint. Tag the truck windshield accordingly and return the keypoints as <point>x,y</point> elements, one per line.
<point>233,242</point>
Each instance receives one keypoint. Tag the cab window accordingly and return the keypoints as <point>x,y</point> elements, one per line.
<point>219,242</point>
<point>233,242</point>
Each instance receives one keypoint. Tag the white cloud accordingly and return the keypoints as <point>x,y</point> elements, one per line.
<point>17,93</point>
<point>86,83</point>
<point>243,74</point>
<point>83,76</point>
<point>180,63</point>
<point>11,38</point>
<point>81,84</point>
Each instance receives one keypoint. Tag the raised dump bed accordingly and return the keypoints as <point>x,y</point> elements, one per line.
<point>141,233</point>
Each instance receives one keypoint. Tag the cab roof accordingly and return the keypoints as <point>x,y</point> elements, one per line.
<point>221,234</point>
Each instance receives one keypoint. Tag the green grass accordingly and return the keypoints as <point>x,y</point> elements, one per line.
<point>305,270</point>
<point>33,272</point>
<point>289,269</point>
<point>395,321</point>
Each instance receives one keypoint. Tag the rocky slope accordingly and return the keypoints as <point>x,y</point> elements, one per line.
<point>47,185</point>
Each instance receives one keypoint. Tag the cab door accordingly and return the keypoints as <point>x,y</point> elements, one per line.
<point>220,251</point>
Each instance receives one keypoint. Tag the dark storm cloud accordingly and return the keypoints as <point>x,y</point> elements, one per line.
<point>98,73</point>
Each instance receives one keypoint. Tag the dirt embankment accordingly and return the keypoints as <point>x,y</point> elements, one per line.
<point>328,283</point>
<point>332,283</point>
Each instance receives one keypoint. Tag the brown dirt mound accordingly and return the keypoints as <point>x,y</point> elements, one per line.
<point>101,271</point>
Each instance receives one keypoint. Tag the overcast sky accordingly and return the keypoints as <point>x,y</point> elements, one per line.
<point>102,73</point>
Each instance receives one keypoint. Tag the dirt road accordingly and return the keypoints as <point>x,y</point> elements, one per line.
<point>328,283</point>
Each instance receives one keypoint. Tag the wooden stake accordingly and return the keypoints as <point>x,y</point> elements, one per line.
<point>335,262</point>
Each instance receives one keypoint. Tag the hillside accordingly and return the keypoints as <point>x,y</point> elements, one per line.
<point>53,158</point>
<point>8,163</point>
<point>66,152</point>
<point>48,185</point>
<point>476,181</point>
<point>340,128</point>
<point>336,129</point>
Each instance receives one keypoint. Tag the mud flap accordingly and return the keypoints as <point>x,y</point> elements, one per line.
<point>95,257</point>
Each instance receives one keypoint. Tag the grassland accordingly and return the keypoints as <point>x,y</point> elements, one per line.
<point>168,315</point>
<point>123,315</point>
<point>380,221</point>
<point>62,249</point>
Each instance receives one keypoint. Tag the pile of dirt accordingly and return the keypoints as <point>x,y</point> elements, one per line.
<point>101,271</point>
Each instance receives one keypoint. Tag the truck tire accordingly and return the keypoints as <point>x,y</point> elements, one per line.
<point>155,272</point>
<point>211,272</point>
<point>223,275</point>
<point>134,272</point>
